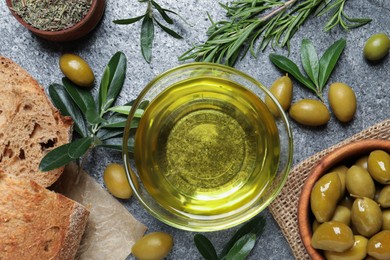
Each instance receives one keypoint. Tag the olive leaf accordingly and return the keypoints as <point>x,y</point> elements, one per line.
<point>289,66</point>
<point>205,247</point>
<point>254,226</point>
<point>67,107</point>
<point>107,133</point>
<point>147,36</point>
<point>169,31</point>
<point>125,110</point>
<point>56,158</point>
<point>310,61</point>
<point>115,78</point>
<point>129,21</point>
<point>329,59</point>
<point>79,147</point>
<point>318,71</point>
<point>81,97</point>
<point>242,247</point>
<point>103,128</point>
<point>147,26</point>
<point>162,12</point>
<point>238,247</point>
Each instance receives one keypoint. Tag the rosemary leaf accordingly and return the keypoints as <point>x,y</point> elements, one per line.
<point>272,23</point>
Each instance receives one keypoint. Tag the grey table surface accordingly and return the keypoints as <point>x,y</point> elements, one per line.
<point>370,82</point>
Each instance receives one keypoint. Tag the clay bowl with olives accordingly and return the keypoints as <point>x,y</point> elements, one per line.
<point>90,18</point>
<point>344,206</point>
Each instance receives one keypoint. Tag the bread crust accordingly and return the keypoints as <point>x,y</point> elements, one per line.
<point>37,223</point>
<point>30,126</point>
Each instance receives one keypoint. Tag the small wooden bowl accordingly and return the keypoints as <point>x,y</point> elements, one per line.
<point>346,153</point>
<point>82,28</point>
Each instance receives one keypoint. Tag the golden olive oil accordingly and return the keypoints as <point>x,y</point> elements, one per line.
<point>206,146</point>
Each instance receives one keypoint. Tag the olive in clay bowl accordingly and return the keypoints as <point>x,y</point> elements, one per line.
<point>77,31</point>
<point>345,155</point>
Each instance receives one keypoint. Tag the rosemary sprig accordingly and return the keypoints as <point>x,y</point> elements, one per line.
<point>268,21</point>
<point>99,125</point>
<point>149,20</point>
<point>238,247</point>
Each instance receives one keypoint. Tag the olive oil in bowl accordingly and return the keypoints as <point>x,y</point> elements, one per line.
<point>205,147</point>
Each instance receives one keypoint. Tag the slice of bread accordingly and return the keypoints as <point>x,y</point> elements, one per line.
<point>30,126</point>
<point>36,223</point>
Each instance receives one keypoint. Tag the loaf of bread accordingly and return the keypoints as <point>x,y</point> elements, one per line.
<point>30,126</point>
<point>36,223</point>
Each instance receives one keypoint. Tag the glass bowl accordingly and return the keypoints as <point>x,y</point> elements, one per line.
<point>208,154</point>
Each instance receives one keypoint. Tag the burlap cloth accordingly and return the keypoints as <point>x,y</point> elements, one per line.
<point>284,207</point>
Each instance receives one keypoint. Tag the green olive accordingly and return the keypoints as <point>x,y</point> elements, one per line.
<point>358,251</point>
<point>376,47</point>
<point>342,172</point>
<point>346,201</point>
<point>342,214</point>
<point>76,70</point>
<point>359,182</point>
<point>333,236</point>
<point>378,246</point>
<point>324,196</point>
<point>282,90</point>
<point>342,101</point>
<point>115,179</point>
<point>315,225</point>
<point>366,216</point>
<point>379,166</point>
<point>362,162</point>
<point>386,219</point>
<point>310,112</point>
<point>384,197</point>
<point>378,190</point>
<point>153,246</point>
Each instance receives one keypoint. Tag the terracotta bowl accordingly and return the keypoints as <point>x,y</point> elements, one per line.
<point>82,28</point>
<point>346,154</point>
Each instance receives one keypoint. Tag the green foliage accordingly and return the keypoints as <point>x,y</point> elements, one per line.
<point>317,70</point>
<point>238,247</point>
<point>101,125</point>
<point>149,20</point>
<point>253,25</point>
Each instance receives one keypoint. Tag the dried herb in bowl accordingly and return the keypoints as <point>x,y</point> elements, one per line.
<point>51,15</point>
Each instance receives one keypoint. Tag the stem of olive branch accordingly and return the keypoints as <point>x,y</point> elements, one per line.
<point>277,10</point>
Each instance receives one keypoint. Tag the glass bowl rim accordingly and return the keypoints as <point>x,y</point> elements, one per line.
<point>242,218</point>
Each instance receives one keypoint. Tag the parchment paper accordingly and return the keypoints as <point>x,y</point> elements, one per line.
<point>111,230</point>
